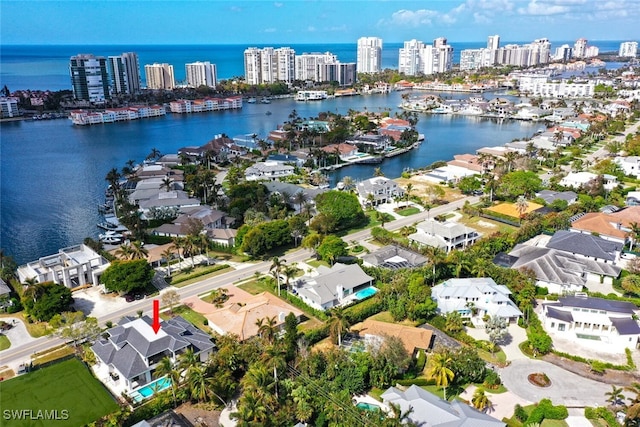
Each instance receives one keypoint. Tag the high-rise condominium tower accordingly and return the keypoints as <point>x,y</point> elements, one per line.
<point>493,42</point>
<point>269,65</point>
<point>124,71</point>
<point>580,48</point>
<point>369,55</point>
<point>159,76</point>
<point>628,49</point>
<point>89,78</point>
<point>201,74</point>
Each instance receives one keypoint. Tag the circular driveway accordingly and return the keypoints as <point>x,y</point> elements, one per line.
<point>566,387</point>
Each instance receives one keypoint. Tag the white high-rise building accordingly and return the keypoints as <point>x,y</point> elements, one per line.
<point>628,49</point>
<point>442,56</point>
<point>252,66</point>
<point>286,64</point>
<point>124,71</point>
<point>269,65</point>
<point>493,42</point>
<point>471,59</point>
<point>409,57</point>
<point>308,65</point>
<point>563,53</point>
<point>160,76</point>
<point>580,48</point>
<point>591,51</point>
<point>369,55</point>
<point>201,74</point>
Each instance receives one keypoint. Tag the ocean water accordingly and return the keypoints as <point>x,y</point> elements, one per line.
<point>47,67</point>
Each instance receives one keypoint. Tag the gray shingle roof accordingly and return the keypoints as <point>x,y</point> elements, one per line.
<point>387,257</point>
<point>585,244</point>
<point>565,316</point>
<point>598,304</point>
<point>625,326</point>
<point>322,288</point>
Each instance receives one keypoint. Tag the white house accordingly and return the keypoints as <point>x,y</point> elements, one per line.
<point>73,266</point>
<point>379,189</point>
<point>332,286</point>
<point>444,235</point>
<point>482,296</point>
<point>131,351</point>
<point>578,179</point>
<point>268,170</point>
<point>601,324</point>
<point>630,165</point>
<point>449,173</point>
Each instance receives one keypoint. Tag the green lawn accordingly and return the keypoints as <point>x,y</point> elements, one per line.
<point>256,286</point>
<point>408,211</point>
<point>4,342</point>
<point>66,387</point>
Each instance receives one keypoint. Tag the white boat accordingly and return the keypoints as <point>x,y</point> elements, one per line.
<point>251,101</point>
<point>265,100</point>
<point>111,238</point>
<point>311,95</point>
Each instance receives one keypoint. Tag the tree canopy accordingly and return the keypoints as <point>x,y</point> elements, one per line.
<point>519,183</point>
<point>127,276</point>
<point>52,299</point>
<point>337,210</point>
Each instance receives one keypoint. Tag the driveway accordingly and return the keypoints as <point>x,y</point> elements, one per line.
<point>510,343</point>
<point>502,403</point>
<point>18,335</point>
<point>566,387</point>
<point>92,302</point>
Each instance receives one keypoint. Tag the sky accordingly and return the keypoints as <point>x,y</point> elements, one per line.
<point>262,22</point>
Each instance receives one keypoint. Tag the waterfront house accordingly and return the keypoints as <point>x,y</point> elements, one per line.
<point>72,266</point>
<point>344,151</point>
<point>427,409</point>
<point>611,226</point>
<point>394,257</point>
<point>290,190</point>
<point>560,272</point>
<point>550,196</point>
<point>600,324</point>
<point>128,354</point>
<point>448,173</point>
<point>332,286</point>
<point>268,171</point>
<point>166,201</point>
<point>241,312</point>
<point>467,161</point>
<point>633,198</point>
<point>369,142</point>
<point>219,149</point>
<point>444,235</point>
<point>475,298</point>
<point>377,190</point>
<point>210,219</point>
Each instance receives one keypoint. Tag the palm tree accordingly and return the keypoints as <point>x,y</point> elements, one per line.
<point>188,360</point>
<point>154,154</point>
<point>408,192</point>
<point>299,199</point>
<point>167,183</point>
<point>259,381</point>
<point>251,411</point>
<point>307,207</point>
<point>124,252</point>
<point>167,368</point>
<point>302,400</point>
<point>348,182</point>
<point>338,324</point>
<point>138,250</point>
<point>480,400</point>
<point>289,272</point>
<point>634,234</point>
<point>436,257</point>
<point>460,261</point>
<point>378,172</point>
<point>267,328</point>
<point>633,408</point>
<point>276,267</point>
<point>521,206</point>
<point>34,289</point>
<point>615,396</point>
<point>198,383</point>
<point>438,370</point>
<point>167,254</point>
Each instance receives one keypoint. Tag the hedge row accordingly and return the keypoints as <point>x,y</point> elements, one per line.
<point>200,273</point>
<point>546,410</point>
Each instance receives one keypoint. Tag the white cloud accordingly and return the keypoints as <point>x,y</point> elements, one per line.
<point>412,18</point>
<point>480,18</point>
<point>543,8</point>
<point>278,4</point>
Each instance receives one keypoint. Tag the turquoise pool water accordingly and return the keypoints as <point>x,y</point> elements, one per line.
<point>155,387</point>
<point>368,406</point>
<point>365,293</point>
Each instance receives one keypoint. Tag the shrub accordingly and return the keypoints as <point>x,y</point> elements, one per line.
<point>492,379</point>
<point>520,413</point>
<point>421,361</point>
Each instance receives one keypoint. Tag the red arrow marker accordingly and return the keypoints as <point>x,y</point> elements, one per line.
<point>156,316</point>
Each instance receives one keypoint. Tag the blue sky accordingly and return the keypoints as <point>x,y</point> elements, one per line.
<point>309,21</point>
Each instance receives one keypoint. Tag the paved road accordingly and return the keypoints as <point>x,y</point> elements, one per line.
<point>22,353</point>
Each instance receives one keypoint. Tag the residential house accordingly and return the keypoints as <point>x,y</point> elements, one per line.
<point>374,332</point>
<point>578,179</point>
<point>605,325</point>
<point>344,151</point>
<point>223,236</point>
<point>332,286</point>
<point>467,161</point>
<point>219,149</point>
<point>210,219</point>
<point>268,171</point>
<point>291,190</point>
<point>427,409</point>
<point>550,196</point>
<point>444,235</point>
<point>633,198</point>
<point>586,245</point>
<point>377,190</point>
<point>172,201</point>
<point>286,159</point>
<point>475,298</point>
<point>72,266</point>
<point>559,271</point>
<point>129,354</point>
<point>630,165</point>
<point>611,226</point>
<point>241,312</point>
<point>158,171</point>
<point>370,143</point>
<point>394,257</point>
<point>448,173</point>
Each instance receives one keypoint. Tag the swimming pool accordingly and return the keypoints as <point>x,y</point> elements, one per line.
<point>368,406</point>
<point>366,293</point>
<point>151,388</point>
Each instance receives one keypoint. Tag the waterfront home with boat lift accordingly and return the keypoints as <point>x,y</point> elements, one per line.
<point>344,151</point>
<point>334,286</point>
<point>444,235</point>
<point>596,323</point>
<point>128,354</point>
<point>474,298</point>
<point>377,190</point>
<point>72,267</point>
